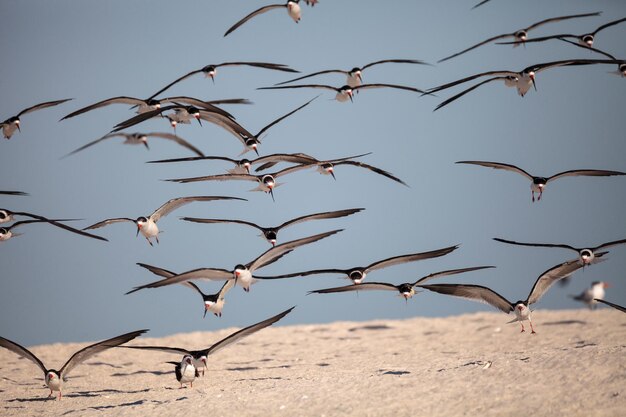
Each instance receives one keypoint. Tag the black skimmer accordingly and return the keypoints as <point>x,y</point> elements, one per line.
<point>185,371</point>
<point>147,225</point>
<point>586,256</point>
<point>150,104</point>
<point>521,308</point>
<point>199,357</point>
<point>346,92</point>
<point>242,274</point>
<point>354,76</point>
<point>592,294</point>
<point>585,39</point>
<point>271,233</point>
<point>141,139</point>
<point>520,35</point>
<point>292,7</point>
<point>212,302</point>
<point>8,215</point>
<point>522,80</point>
<point>210,71</point>
<point>10,125</point>
<point>406,290</point>
<point>539,183</point>
<point>54,379</point>
<point>615,306</point>
<point>13,193</point>
<point>357,274</point>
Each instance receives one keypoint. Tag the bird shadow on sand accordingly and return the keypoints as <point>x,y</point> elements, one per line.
<point>397,373</point>
<point>157,373</point>
<point>563,323</point>
<point>371,327</point>
<point>77,394</point>
<point>243,368</point>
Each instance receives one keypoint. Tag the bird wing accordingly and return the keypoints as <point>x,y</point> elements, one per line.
<point>448,272</point>
<point>57,224</point>
<point>493,38</point>
<point>394,61</point>
<point>212,221</point>
<point>472,88</point>
<point>481,3</point>
<point>473,292</point>
<point>620,308</point>
<point>540,39</point>
<point>585,172</point>
<point>306,273</point>
<point>225,288</point>
<point>42,106</point>
<point>13,193</point>
<point>472,77</point>
<point>358,287</point>
<point>294,168</point>
<point>395,260</point>
<point>176,139</point>
<point>111,135</point>
<point>253,14</point>
<point>175,203</point>
<point>22,351</point>
<point>266,65</point>
<point>373,169</point>
<point>544,245</point>
<point>589,48</point>
<point>113,100</point>
<point>319,86</point>
<point>91,350</point>
<point>560,18</point>
<point>272,254</point>
<point>194,158</point>
<point>609,244</point>
<point>271,160</point>
<point>141,117</point>
<point>176,81</point>
<point>498,165</point>
<point>156,270</point>
<point>550,277</point>
<point>606,25</point>
<point>378,85</point>
<point>108,222</point>
<point>283,117</point>
<point>247,331</point>
<point>212,274</point>
<point>219,177</point>
<point>320,216</point>
<point>314,74</point>
<point>167,349</point>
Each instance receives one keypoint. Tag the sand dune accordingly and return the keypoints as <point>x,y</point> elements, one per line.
<point>473,364</point>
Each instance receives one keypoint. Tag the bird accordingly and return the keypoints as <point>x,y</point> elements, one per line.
<point>149,104</point>
<point>141,139</point>
<point>185,371</point>
<point>8,215</point>
<point>199,357</point>
<point>242,274</point>
<point>328,168</point>
<point>586,255</point>
<point>210,70</point>
<point>54,379</point>
<point>266,182</point>
<point>585,39</point>
<point>292,7</point>
<point>615,306</point>
<point>346,92</point>
<point>13,123</point>
<point>354,76</point>
<point>271,233</point>
<point>521,308</point>
<point>212,302</point>
<point>358,273</point>
<point>22,193</point>
<point>522,80</point>
<point>147,225</point>
<point>520,35</point>
<point>591,294</point>
<point>406,290</point>
<point>539,183</point>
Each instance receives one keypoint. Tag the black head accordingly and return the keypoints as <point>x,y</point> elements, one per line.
<point>622,68</point>
<point>240,266</point>
<point>586,253</point>
<point>270,234</point>
<point>208,68</point>
<point>153,102</point>
<point>356,275</point>
<point>355,70</point>
<point>540,180</point>
<point>587,39</point>
<point>268,179</point>
<point>4,214</point>
<point>405,288</point>
<point>12,119</point>
<point>521,35</point>
<point>141,219</point>
<point>3,231</point>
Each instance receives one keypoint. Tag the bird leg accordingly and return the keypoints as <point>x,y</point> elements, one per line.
<point>50,394</point>
<point>60,395</point>
<point>523,330</point>
<point>540,192</point>
<point>532,193</point>
<point>148,239</point>
<point>531,327</point>
<point>157,238</point>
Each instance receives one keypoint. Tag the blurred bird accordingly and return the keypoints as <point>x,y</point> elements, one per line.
<point>10,125</point>
<point>292,6</point>
<point>346,92</point>
<point>590,295</point>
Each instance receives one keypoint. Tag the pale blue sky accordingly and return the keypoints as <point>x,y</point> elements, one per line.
<point>60,287</point>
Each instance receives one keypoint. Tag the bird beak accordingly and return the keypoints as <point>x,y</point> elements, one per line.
<point>273,242</point>
<point>206,308</point>
<point>272,194</point>
<point>255,151</point>
<point>358,75</point>
<point>138,229</point>
<point>212,78</point>
<point>532,78</point>
<point>146,145</point>
<point>333,174</point>
<point>606,285</point>
<point>197,116</point>
<point>350,95</point>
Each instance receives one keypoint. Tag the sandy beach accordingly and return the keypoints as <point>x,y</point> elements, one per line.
<point>473,364</point>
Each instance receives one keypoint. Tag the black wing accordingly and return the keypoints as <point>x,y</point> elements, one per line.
<point>543,245</point>
<point>319,216</point>
<point>395,260</point>
<point>473,292</point>
<point>42,106</point>
<point>22,351</point>
<point>253,14</point>
<point>620,308</point>
<point>283,117</point>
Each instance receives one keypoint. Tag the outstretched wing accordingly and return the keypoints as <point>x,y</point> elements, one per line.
<point>493,38</point>
<point>313,75</point>
<point>395,260</point>
<point>618,307</point>
<point>541,245</point>
<point>358,287</point>
<point>22,351</point>
<point>253,14</point>
<point>586,173</point>
<point>320,216</point>
<point>212,274</point>
<point>182,142</point>
<point>498,165</point>
<point>448,272</point>
<point>550,277</point>
<point>42,106</point>
<point>472,88</point>
<point>373,169</point>
<point>108,222</point>
<point>472,292</point>
<point>113,100</point>
<point>558,19</point>
<point>283,117</point>
<point>175,203</point>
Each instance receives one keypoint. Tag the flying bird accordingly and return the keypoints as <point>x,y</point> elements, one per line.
<point>271,233</point>
<point>585,39</point>
<point>212,302</point>
<point>586,256</point>
<point>521,308</point>
<point>615,306</point>
<point>199,357</point>
<point>141,139</point>
<point>354,76</point>
<point>242,274</point>
<point>592,294</point>
<point>210,71</point>
<point>292,7</point>
<point>357,274</point>
<point>147,225</point>
<point>10,125</point>
<point>539,183</point>
<point>346,92</point>
<point>6,232</point>
<point>406,290</point>
<point>519,35</point>
<point>54,379</point>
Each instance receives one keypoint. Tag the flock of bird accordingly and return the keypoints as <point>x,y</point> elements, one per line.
<point>183,110</point>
